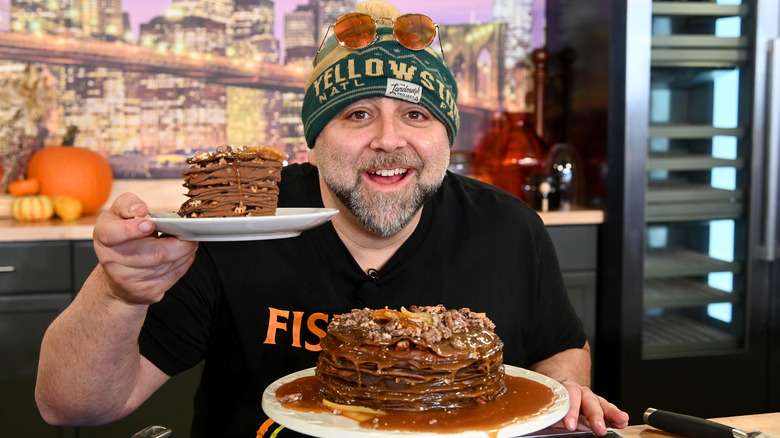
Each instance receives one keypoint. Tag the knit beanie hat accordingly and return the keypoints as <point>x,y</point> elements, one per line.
<point>384,68</point>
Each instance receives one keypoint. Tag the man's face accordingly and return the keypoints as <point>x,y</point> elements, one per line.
<point>382,158</point>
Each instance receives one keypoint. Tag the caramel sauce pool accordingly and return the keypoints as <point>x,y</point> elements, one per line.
<point>523,398</point>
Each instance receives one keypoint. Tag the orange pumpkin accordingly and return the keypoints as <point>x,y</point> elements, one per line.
<point>32,208</point>
<point>72,171</point>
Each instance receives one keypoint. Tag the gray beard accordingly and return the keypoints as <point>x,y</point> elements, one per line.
<point>381,213</point>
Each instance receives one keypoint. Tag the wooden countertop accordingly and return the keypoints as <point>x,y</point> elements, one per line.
<point>167,195</point>
<point>767,423</point>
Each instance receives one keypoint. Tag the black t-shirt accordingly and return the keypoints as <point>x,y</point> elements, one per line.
<point>254,311</point>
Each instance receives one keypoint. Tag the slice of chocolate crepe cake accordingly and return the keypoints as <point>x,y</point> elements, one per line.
<point>233,182</point>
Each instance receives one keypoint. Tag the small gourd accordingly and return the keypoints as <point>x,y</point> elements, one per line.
<point>32,208</point>
<point>67,208</point>
<point>24,187</point>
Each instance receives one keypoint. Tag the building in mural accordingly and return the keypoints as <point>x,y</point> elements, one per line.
<point>252,27</point>
<point>97,18</point>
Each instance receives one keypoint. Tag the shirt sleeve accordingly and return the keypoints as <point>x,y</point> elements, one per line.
<point>176,330</point>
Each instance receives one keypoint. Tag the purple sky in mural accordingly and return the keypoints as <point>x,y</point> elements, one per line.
<point>450,12</point>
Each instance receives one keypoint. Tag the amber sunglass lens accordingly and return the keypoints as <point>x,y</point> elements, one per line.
<point>414,31</point>
<point>355,31</point>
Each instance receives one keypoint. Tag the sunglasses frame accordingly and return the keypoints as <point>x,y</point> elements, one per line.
<point>376,33</point>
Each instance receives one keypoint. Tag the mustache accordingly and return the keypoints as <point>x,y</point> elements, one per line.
<point>391,159</point>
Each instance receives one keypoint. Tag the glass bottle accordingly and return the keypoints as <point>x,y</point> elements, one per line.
<point>521,155</point>
<point>488,152</point>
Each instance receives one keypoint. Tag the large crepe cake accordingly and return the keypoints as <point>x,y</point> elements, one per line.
<point>411,360</point>
<point>233,182</point>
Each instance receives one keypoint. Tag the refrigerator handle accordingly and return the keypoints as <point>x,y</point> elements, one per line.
<point>772,152</point>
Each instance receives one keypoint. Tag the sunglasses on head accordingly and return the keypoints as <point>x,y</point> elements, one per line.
<point>358,30</point>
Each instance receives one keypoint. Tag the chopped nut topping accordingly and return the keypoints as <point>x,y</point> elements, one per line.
<point>244,153</point>
<point>431,323</point>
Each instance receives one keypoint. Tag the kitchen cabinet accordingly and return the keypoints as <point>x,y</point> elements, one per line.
<point>37,281</point>
<point>577,248</point>
<point>35,285</point>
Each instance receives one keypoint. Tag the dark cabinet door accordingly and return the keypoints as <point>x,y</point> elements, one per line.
<point>35,286</point>
<point>23,321</point>
<point>84,262</point>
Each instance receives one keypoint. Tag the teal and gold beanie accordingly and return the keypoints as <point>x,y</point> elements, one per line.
<point>384,68</point>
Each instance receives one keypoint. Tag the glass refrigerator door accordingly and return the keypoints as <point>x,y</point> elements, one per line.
<point>694,271</point>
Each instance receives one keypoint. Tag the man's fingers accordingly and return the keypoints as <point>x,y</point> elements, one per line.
<point>575,398</point>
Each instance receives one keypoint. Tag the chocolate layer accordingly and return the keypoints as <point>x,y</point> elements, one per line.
<point>428,357</point>
<point>233,182</point>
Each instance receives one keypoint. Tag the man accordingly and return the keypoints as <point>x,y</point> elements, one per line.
<point>380,120</point>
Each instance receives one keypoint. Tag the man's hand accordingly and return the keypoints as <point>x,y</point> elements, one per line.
<point>588,411</point>
<point>138,265</point>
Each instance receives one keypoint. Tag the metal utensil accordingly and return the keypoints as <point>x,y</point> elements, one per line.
<point>694,427</point>
<point>154,432</point>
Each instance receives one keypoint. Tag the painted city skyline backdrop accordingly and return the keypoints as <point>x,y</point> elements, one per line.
<point>192,82</point>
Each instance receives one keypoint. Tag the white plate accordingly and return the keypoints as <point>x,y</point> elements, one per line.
<point>327,425</point>
<point>288,222</point>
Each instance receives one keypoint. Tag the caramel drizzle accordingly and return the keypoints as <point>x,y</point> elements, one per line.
<point>236,165</point>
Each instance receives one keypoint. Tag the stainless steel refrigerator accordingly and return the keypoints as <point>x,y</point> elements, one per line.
<point>689,297</point>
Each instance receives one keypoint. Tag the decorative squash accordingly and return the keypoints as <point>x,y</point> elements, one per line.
<point>32,208</point>
<point>67,208</point>
<point>24,187</point>
<point>72,171</point>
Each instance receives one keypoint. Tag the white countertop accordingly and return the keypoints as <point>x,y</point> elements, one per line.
<point>168,195</point>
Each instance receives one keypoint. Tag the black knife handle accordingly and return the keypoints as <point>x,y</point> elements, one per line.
<point>686,425</point>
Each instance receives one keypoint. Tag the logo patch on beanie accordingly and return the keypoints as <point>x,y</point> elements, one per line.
<point>403,90</point>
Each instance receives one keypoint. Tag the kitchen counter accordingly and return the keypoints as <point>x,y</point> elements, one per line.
<point>167,195</point>
<point>767,423</point>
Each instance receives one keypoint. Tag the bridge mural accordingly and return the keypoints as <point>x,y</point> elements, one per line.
<point>147,109</point>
